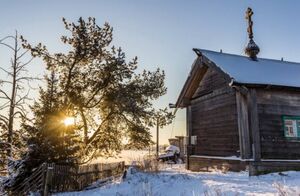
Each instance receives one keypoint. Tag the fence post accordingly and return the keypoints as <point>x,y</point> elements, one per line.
<point>123,166</point>
<point>48,178</point>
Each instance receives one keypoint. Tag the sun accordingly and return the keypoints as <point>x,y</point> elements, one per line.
<point>69,121</point>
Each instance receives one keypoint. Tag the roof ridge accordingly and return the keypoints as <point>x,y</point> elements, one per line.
<point>258,58</point>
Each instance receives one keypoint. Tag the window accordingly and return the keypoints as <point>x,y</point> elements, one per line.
<point>193,139</point>
<point>291,126</point>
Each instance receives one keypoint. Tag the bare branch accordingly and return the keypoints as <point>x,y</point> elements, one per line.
<point>4,81</point>
<point>3,117</point>
<point>90,157</point>
<point>22,98</point>
<point>21,55</point>
<point>6,71</point>
<point>85,126</point>
<point>5,105</point>
<point>7,45</point>
<point>21,113</point>
<point>95,104</point>
<point>4,93</point>
<point>24,64</point>
<point>100,127</point>
<point>26,78</point>
<point>20,107</point>
<point>7,37</point>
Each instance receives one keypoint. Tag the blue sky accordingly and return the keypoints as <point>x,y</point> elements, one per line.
<point>162,33</point>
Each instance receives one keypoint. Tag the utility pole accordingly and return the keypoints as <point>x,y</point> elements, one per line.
<point>157,136</point>
<point>163,118</point>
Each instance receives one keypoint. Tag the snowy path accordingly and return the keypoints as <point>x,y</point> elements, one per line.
<point>176,181</point>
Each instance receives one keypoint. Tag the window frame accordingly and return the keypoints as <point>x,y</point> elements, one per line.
<point>293,118</point>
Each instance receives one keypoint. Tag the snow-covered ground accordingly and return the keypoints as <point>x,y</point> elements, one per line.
<point>126,155</point>
<point>2,178</point>
<point>178,181</point>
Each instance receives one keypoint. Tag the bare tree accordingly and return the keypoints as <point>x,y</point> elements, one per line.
<point>13,91</point>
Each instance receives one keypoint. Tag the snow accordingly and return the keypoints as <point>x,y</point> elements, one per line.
<point>225,158</point>
<point>175,180</point>
<point>281,160</point>
<point>173,149</point>
<point>170,151</point>
<point>2,179</point>
<point>126,155</point>
<point>240,159</point>
<point>263,71</point>
<point>168,154</point>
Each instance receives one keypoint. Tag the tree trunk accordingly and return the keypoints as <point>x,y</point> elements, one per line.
<point>85,127</point>
<point>157,137</point>
<point>12,100</point>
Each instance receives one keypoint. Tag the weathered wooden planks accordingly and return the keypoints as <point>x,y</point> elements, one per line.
<point>263,167</point>
<point>243,125</point>
<point>66,178</point>
<point>254,124</point>
<point>214,117</point>
<point>271,106</point>
<point>198,71</point>
<point>211,81</point>
<point>188,132</point>
<point>211,164</point>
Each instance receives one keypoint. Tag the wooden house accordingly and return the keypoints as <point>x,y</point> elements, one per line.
<point>242,112</point>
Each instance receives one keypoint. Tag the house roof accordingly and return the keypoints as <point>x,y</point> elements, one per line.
<point>244,70</point>
<point>241,70</point>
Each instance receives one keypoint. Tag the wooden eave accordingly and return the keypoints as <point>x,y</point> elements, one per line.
<point>265,86</point>
<point>199,68</point>
<point>191,84</point>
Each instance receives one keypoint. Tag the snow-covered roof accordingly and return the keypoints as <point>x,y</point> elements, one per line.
<point>244,70</point>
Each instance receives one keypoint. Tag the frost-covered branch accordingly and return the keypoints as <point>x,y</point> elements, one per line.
<point>14,98</point>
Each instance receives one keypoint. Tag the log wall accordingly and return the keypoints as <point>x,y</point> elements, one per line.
<point>272,105</point>
<point>264,167</point>
<point>214,117</point>
<point>212,80</point>
<point>212,164</point>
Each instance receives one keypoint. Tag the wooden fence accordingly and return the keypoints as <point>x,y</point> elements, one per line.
<point>52,178</point>
<point>34,183</point>
<point>65,178</point>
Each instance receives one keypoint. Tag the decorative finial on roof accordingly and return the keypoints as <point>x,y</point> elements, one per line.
<point>251,49</point>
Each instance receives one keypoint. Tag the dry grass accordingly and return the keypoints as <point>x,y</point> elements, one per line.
<point>283,190</point>
<point>280,189</point>
<point>147,164</point>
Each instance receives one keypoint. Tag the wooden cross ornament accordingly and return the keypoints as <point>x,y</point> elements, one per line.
<point>249,14</point>
<point>251,49</point>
